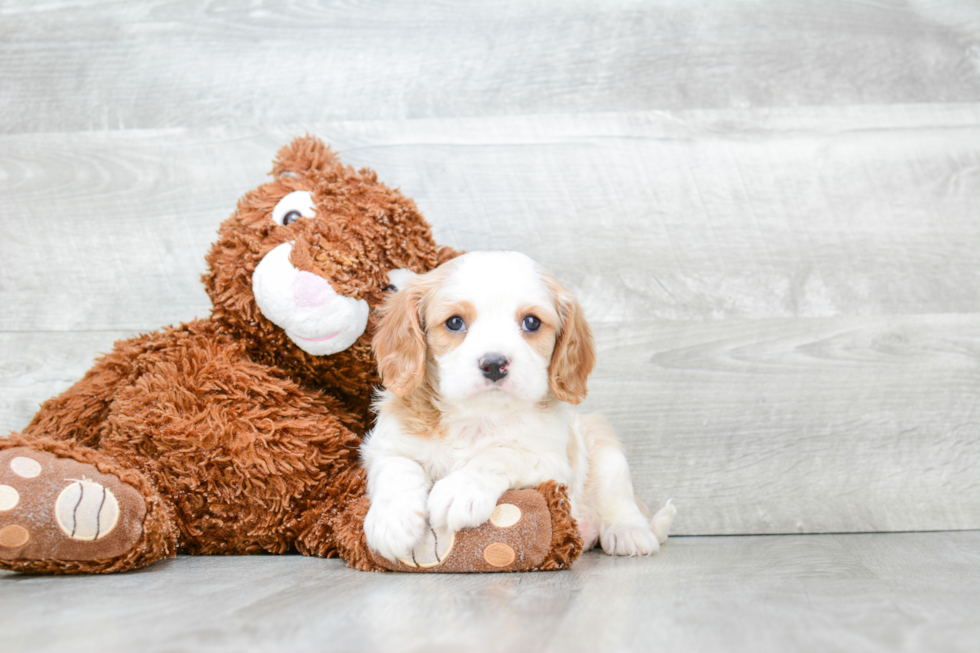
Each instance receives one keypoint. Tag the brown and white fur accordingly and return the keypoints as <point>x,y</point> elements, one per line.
<point>476,402</point>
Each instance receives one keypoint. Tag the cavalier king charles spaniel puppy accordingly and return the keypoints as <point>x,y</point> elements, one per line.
<point>480,360</point>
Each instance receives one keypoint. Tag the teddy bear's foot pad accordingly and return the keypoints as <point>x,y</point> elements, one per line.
<point>54,508</point>
<point>515,538</point>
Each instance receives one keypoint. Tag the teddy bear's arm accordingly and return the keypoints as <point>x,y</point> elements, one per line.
<point>531,530</point>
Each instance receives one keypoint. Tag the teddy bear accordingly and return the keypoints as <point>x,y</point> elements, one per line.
<point>239,433</point>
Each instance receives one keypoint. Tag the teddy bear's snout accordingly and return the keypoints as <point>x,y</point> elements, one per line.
<point>312,291</point>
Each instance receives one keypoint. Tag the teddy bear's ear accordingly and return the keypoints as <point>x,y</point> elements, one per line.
<point>447,253</point>
<point>304,154</point>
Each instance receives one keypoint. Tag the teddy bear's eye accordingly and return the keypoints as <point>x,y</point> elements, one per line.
<point>296,205</point>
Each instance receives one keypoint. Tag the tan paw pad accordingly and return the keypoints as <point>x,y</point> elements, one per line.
<point>505,515</point>
<point>87,510</point>
<point>432,550</point>
<point>60,509</point>
<point>499,555</point>
<point>25,467</point>
<point>14,536</point>
<point>9,498</point>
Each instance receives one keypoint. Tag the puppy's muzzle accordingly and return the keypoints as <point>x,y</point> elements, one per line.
<point>494,366</point>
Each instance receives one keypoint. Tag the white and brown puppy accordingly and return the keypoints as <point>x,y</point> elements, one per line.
<point>480,359</point>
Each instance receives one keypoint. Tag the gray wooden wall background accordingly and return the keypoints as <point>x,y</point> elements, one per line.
<point>770,210</point>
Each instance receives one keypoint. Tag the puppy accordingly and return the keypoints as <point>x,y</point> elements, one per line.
<point>480,359</point>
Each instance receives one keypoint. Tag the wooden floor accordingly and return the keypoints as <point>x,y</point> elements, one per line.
<point>769,210</point>
<point>864,593</point>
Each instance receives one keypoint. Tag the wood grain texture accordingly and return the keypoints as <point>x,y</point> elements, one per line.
<point>768,210</point>
<point>707,215</point>
<point>871,593</point>
<point>799,425</point>
<point>110,231</point>
<point>718,215</point>
<point>37,366</point>
<point>113,65</point>
<point>756,426</point>
<point>780,350</point>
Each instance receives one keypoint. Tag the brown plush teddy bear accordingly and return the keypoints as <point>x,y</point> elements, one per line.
<point>239,433</point>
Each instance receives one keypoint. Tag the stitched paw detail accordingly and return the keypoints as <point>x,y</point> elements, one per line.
<point>9,498</point>
<point>395,528</point>
<point>516,536</point>
<point>432,551</point>
<point>14,536</point>
<point>505,515</point>
<point>86,511</point>
<point>61,510</point>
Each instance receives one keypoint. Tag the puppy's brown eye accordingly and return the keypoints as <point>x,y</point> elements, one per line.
<point>390,288</point>
<point>291,217</point>
<point>455,323</point>
<point>531,323</point>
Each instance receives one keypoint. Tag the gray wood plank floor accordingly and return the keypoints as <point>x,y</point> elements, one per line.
<point>857,593</point>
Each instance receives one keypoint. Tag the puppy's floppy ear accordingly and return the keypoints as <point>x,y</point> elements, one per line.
<point>399,342</point>
<point>574,355</point>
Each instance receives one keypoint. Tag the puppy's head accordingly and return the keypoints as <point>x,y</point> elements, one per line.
<point>486,327</point>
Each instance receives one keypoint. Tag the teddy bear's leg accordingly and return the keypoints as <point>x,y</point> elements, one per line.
<point>530,530</point>
<point>335,527</point>
<point>238,451</point>
<point>68,509</point>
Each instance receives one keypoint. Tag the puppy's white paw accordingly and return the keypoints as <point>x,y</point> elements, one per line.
<point>628,538</point>
<point>461,500</point>
<point>393,527</point>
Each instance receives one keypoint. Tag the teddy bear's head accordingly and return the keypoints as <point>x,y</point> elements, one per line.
<point>299,268</point>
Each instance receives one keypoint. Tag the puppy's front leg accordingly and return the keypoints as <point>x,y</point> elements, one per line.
<point>467,497</point>
<point>397,488</point>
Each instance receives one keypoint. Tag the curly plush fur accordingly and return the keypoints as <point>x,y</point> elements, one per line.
<point>237,440</point>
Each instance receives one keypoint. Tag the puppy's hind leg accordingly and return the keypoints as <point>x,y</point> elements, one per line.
<point>662,520</point>
<point>623,528</point>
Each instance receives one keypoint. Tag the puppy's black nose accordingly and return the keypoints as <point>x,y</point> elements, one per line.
<point>494,366</point>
